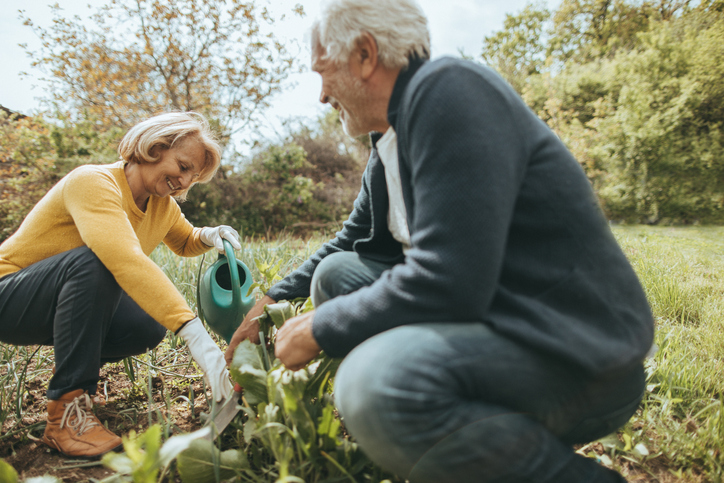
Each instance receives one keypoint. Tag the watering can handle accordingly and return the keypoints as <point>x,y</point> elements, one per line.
<point>234,270</point>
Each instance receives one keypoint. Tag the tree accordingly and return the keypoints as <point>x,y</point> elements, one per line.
<point>35,154</point>
<point>518,51</point>
<point>135,58</point>
<point>584,30</point>
<point>634,90</point>
<point>664,149</point>
<point>646,124</point>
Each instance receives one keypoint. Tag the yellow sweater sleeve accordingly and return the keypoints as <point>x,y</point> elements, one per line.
<point>93,199</point>
<point>182,238</point>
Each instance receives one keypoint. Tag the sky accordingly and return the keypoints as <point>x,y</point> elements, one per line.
<point>454,25</point>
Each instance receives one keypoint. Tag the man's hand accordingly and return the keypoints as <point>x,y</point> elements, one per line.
<point>295,344</point>
<point>249,328</point>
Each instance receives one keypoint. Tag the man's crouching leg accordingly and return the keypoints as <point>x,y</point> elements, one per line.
<point>343,273</point>
<point>459,403</point>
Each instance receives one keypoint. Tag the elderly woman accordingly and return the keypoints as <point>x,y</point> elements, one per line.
<point>76,274</point>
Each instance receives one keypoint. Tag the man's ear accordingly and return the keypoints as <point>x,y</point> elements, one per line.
<point>366,55</point>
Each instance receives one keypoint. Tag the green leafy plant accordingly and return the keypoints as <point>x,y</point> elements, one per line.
<point>140,462</point>
<point>290,429</point>
<point>202,462</point>
<point>9,475</point>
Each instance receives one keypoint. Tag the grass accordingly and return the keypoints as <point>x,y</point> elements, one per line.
<point>680,426</point>
<point>678,433</point>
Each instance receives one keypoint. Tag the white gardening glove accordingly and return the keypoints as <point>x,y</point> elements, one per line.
<point>213,236</point>
<point>209,358</point>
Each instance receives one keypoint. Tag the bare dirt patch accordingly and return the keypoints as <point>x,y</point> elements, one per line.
<point>126,407</point>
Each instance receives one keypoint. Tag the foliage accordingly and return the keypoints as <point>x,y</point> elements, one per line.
<point>291,430</point>
<point>35,153</point>
<point>26,160</point>
<point>288,428</point>
<point>141,460</point>
<point>680,422</point>
<point>9,475</point>
<point>677,431</point>
<point>676,435</point>
<point>306,183</point>
<point>518,50</point>
<point>133,59</point>
<point>663,159</point>
<point>635,91</point>
<point>197,463</point>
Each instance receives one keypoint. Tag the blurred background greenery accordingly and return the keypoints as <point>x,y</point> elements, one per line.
<point>633,87</point>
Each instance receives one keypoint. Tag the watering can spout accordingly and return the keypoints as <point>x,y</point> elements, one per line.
<point>222,293</point>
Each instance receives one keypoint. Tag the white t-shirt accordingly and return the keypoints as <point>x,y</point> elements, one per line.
<point>397,216</point>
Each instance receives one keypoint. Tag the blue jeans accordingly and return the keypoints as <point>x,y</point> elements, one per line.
<point>72,302</point>
<point>457,402</point>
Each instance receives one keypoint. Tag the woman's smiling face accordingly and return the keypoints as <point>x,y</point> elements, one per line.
<point>177,169</point>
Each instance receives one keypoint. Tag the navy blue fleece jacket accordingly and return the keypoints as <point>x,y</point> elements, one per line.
<point>504,226</point>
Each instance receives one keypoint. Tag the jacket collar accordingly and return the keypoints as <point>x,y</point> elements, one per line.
<point>400,84</point>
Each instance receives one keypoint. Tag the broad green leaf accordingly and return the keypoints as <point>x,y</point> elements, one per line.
<point>279,312</point>
<point>118,462</point>
<point>140,460</point>
<point>611,442</point>
<point>7,472</point>
<point>176,444</point>
<point>323,371</point>
<point>247,368</point>
<point>196,463</point>
<point>307,306</point>
<point>329,426</point>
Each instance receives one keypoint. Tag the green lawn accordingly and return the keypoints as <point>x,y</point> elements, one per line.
<point>680,423</point>
<point>677,434</point>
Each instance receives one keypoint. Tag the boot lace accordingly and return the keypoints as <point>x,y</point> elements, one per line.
<point>77,417</point>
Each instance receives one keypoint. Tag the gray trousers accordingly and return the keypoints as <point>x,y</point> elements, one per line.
<point>456,402</point>
<point>72,302</point>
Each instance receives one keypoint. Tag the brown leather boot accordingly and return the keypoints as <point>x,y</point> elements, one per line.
<point>74,430</point>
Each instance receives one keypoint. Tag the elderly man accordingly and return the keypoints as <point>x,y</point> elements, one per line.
<point>487,317</point>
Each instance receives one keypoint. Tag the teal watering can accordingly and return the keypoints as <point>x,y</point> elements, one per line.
<point>222,294</point>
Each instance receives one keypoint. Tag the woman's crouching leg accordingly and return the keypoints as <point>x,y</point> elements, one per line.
<point>87,300</point>
<point>132,332</point>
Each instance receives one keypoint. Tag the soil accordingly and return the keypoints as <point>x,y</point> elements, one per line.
<point>124,406</point>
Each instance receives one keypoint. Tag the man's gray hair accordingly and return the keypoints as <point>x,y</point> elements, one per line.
<point>398,26</point>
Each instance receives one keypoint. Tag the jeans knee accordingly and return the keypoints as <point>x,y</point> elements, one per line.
<point>328,276</point>
<point>357,394</point>
<point>377,409</point>
<point>156,333</point>
<point>386,376</point>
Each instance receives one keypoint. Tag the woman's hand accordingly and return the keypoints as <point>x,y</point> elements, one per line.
<point>214,237</point>
<point>249,328</point>
<point>209,358</point>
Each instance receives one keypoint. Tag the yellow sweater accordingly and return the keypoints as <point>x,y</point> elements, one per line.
<point>93,206</point>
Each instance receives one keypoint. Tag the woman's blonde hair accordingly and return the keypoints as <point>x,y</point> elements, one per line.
<point>144,142</point>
